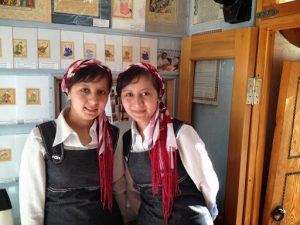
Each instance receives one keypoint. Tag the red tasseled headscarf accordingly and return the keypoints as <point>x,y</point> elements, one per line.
<point>163,149</point>
<point>105,146</point>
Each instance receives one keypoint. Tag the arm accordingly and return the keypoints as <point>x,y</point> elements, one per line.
<point>198,165</point>
<point>32,180</point>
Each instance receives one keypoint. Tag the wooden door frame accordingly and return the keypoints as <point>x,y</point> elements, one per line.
<point>283,9</point>
<point>267,29</point>
<point>240,45</point>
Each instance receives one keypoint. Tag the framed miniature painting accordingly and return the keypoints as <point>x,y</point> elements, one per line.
<point>89,50</point>
<point>145,54</point>
<point>78,12</point>
<point>122,8</point>
<point>67,50</point>
<point>30,10</point>
<point>7,96</point>
<point>44,49</point>
<point>127,53</point>
<point>5,154</point>
<point>20,48</point>
<point>161,11</point>
<point>109,53</point>
<point>33,96</point>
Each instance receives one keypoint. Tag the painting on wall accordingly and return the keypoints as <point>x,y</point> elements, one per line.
<point>89,50</point>
<point>122,8</point>
<point>20,48</point>
<point>168,60</point>
<point>161,11</point>
<point>32,10</point>
<point>18,3</point>
<point>44,49</point>
<point>145,54</point>
<point>67,50</point>
<point>5,154</point>
<point>127,53</point>
<point>80,12</point>
<point>7,96</point>
<point>109,53</point>
<point>32,96</point>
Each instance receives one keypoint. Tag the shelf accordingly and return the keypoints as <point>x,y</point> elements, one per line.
<point>25,72</point>
<point>90,29</point>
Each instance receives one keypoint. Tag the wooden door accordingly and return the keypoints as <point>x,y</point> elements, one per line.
<point>283,187</point>
<point>240,45</point>
<point>267,9</point>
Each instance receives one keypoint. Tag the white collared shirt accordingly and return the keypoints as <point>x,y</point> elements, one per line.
<point>194,158</point>
<point>32,182</point>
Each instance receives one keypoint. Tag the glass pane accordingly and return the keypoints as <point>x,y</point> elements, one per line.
<point>212,122</point>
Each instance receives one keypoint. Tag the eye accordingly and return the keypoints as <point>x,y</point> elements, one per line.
<point>84,90</point>
<point>145,93</point>
<point>102,92</point>
<point>128,94</point>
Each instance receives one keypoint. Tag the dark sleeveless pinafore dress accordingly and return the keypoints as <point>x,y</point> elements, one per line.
<point>189,208</point>
<point>72,184</point>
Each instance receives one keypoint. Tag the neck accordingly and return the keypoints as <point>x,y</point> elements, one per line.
<point>77,124</point>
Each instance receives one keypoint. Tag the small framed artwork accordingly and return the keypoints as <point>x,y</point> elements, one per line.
<point>31,10</point>
<point>20,48</point>
<point>67,50</point>
<point>161,11</point>
<point>5,154</point>
<point>44,49</point>
<point>89,50</point>
<point>33,96</point>
<point>109,53</point>
<point>127,53</point>
<point>7,96</point>
<point>145,54</point>
<point>122,8</point>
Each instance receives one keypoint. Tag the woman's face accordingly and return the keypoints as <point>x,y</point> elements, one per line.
<point>88,99</point>
<point>140,100</point>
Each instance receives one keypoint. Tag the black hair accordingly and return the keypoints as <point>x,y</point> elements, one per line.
<point>89,74</point>
<point>133,73</point>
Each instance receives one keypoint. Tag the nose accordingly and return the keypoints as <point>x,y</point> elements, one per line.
<point>138,100</point>
<point>94,98</point>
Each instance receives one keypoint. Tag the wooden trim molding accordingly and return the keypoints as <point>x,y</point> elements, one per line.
<point>239,45</point>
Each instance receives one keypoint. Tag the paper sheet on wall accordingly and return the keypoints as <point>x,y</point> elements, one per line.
<point>20,140</point>
<point>6,48</point>
<point>49,49</point>
<point>8,164</point>
<point>206,82</point>
<point>148,51</point>
<point>11,147</point>
<point>8,101</point>
<point>113,52</point>
<point>25,48</point>
<point>71,47</point>
<point>33,99</point>
<point>93,46</point>
<point>130,50</point>
<point>129,15</point>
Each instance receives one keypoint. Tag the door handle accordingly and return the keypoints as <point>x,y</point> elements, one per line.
<point>278,213</point>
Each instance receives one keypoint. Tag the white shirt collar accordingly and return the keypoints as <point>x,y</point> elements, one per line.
<point>65,132</point>
<point>137,143</point>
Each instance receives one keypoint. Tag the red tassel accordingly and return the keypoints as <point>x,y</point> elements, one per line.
<point>168,177</point>
<point>106,170</point>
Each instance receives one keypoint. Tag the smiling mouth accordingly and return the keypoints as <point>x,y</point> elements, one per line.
<point>91,110</point>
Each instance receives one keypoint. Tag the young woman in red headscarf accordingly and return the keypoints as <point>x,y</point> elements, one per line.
<point>170,177</point>
<point>70,167</point>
